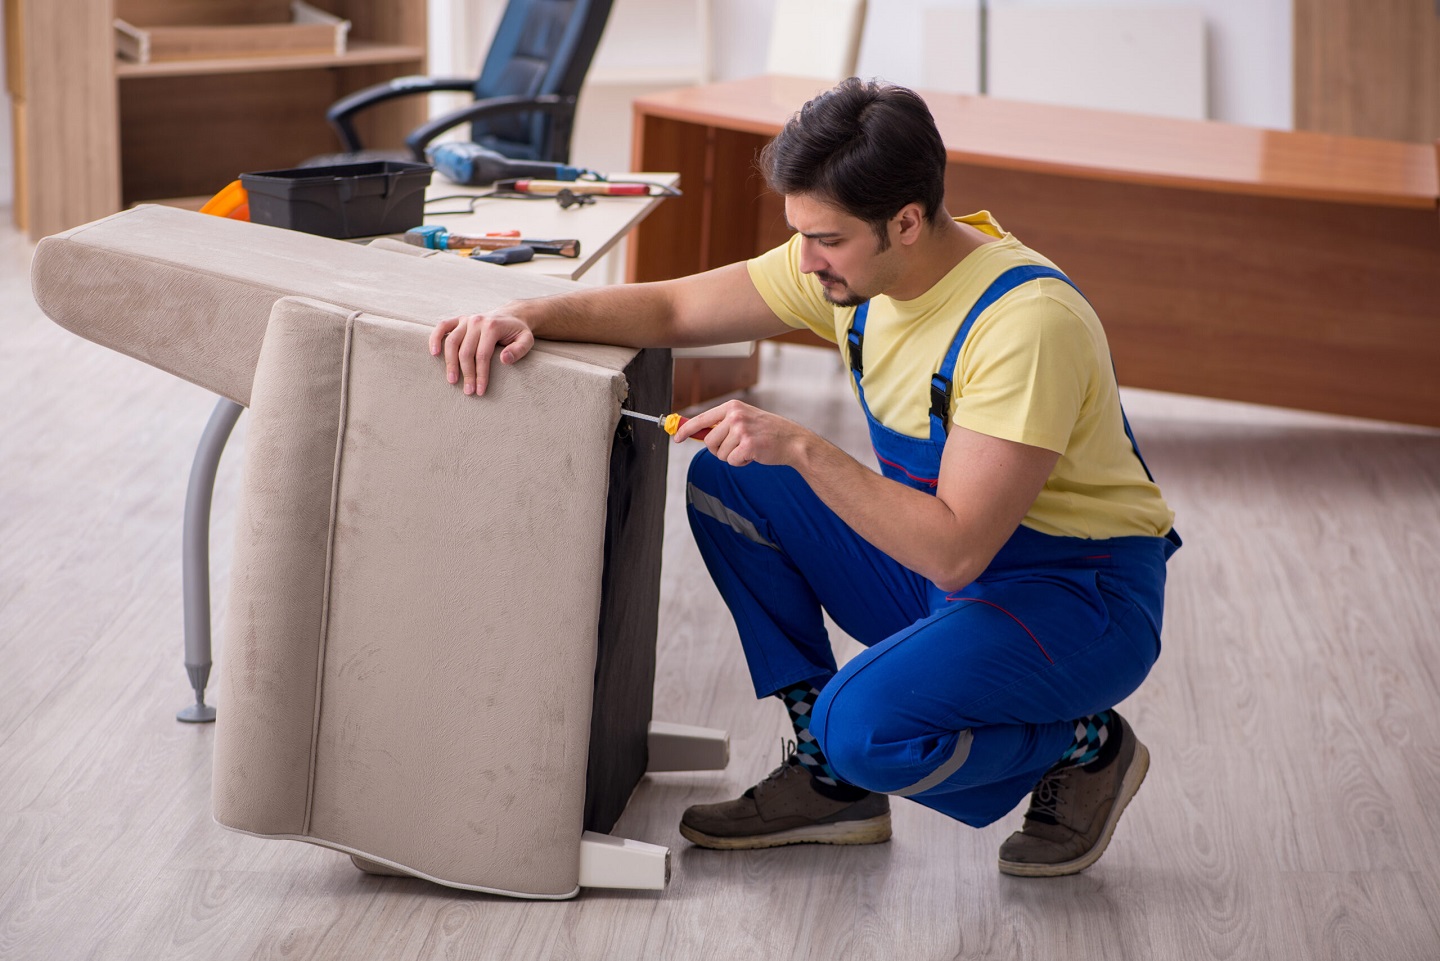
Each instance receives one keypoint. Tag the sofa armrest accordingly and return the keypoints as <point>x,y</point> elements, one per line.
<point>191,294</point>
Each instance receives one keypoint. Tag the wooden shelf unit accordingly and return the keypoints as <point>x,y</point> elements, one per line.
<point>361,53</point>
<point>94,134</point>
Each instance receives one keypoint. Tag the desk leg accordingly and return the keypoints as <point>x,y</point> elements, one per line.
<point>195,556</point>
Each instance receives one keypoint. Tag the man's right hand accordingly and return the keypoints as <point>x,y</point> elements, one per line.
<point>470,341</point>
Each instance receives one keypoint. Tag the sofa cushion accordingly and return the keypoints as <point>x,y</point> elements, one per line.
<point>410,651</point>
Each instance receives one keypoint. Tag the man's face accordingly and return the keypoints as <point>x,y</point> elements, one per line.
<point>842,251</point>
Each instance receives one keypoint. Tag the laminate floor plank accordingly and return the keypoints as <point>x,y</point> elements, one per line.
<point>1288,814</point>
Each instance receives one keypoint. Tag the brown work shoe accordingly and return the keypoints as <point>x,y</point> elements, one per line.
<point>1073,812</point>
<point>789,808</point>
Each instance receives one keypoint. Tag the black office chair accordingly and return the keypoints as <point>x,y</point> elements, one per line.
<point>525,95</point>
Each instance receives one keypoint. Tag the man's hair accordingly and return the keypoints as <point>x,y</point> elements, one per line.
<point>867,147</point>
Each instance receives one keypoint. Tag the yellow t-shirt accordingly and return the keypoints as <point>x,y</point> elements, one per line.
<point>1034,369</point>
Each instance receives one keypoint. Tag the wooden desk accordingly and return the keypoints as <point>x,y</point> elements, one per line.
<point>598,226</point>
<point>1276,267</point>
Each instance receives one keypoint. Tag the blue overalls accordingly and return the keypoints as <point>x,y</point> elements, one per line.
<point>961,700</point>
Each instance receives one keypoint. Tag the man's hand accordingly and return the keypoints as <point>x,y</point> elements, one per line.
<point>720,306</point>
<point>740,434</point>
<point>985,487</point>
<point>469,342</point>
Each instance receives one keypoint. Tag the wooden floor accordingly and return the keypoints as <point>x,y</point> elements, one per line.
<point>1292,810</point>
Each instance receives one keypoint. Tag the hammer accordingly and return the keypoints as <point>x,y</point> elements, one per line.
<point>436,237</point>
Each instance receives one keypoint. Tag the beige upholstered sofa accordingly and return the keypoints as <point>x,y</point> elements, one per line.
<point>439,649</point>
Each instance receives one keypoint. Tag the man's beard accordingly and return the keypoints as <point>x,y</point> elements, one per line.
<point>851,300</point>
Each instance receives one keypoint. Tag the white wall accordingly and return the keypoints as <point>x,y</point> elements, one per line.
<point>1250,48</point>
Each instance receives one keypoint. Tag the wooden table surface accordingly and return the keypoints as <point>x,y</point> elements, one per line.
<point>598,226</point>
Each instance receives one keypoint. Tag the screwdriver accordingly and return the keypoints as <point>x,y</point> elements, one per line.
<point>575,187</point>
<point>670,423</point>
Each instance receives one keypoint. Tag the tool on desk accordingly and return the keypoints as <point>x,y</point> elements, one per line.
<point>518,254</point>
<point>436,237</point>
<point>670,423</point>
<point>549,188</point>
<point>233,201</point>
<point>472,165</point>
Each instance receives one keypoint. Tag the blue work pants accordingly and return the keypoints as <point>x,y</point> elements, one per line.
<point>961,700</point>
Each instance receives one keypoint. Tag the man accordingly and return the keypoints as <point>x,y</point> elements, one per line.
<point>1006,568</point>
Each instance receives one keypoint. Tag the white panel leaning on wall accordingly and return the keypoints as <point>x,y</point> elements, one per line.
<point>1142,58</point>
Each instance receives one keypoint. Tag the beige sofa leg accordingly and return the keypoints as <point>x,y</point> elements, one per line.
<point>611,862</point>
<point>682,747</point>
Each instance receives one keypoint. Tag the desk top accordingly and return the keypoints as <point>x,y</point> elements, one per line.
<point>598,226</point>
<point>1107,145</point>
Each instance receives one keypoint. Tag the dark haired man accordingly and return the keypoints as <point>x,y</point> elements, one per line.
<point>1006,567</point>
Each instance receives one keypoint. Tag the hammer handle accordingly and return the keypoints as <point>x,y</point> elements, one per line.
<point>560,248</point>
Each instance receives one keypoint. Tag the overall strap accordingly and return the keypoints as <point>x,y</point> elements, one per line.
<point>942,380</point>
<point>854,348</point>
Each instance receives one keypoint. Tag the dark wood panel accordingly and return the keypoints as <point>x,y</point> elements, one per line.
<point>189,136</point>
<point>182,136</point>
<point>1306,304</point>
<point>771,228</point>
<point>176,13</point>
<point>388,22</point>
<point>733,198</point>
<point>668,243</point>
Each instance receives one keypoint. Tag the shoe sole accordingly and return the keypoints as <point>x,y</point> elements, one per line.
<point>1129,785</point>
<point>869,831</point>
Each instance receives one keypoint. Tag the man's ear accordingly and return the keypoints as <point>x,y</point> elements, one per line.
<point>910,223</point>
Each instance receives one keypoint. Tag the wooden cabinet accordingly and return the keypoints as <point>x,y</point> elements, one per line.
<point>94,134</point>
<point>1367,69</point>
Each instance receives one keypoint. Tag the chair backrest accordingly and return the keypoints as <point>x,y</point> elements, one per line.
<point>540,47</point>
<point>815,38</point>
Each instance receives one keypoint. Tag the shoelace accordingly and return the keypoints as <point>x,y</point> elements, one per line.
<point>789,763</point>
<point>1045,801</point>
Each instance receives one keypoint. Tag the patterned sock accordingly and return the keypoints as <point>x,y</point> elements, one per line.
<point>1092,735</point>
<point>799,700</point>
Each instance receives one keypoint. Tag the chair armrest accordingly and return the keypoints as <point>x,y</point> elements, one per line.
<point>421,136</point>
<point>342,112</point>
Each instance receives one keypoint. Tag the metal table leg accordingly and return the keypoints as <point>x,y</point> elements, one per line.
<point>195,556</point>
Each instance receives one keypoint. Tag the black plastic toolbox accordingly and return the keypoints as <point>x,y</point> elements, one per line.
<point>344,200</point>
